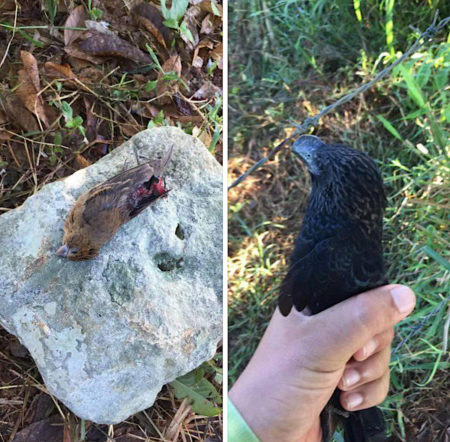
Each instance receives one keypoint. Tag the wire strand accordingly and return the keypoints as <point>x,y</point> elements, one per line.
<point>424,37</point>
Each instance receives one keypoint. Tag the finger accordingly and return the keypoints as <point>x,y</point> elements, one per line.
<point>368,395</point>
<point>358,373</point>
<point>353,322</point>
<point>376,344</point>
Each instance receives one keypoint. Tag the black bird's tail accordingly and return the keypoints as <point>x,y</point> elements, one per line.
<point>366,425</point>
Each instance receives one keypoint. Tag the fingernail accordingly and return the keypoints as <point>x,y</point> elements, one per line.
<point>351,377</point>
<point>369,348</point>
<point>403,298</point>
<point>353,400</point>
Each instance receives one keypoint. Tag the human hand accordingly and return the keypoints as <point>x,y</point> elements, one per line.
<point>302,359</point>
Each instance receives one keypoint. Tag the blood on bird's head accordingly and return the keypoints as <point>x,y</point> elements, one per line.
<point>157,187</point>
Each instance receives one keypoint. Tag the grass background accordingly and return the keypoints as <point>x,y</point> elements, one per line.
<point>288,59</point>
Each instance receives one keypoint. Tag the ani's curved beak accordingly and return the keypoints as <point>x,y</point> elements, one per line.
<point>63,251</point>
<point>305,148</point>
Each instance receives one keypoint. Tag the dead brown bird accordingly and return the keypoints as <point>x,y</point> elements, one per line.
<point>98,213</point>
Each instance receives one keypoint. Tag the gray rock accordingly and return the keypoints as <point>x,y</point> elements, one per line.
<point>108,333</point>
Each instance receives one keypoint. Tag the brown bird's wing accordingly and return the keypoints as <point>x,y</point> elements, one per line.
<point>131,176</point>
<point>112,195</point>
<point>117,196</point>
<point>162,164</point>
<point>99,200</point>
<point>134,209</point>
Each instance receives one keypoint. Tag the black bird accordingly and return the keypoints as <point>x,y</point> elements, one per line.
<point>338,252</point>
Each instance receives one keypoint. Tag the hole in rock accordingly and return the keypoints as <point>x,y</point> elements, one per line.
<point>167,262</point>
<point>179,232</point>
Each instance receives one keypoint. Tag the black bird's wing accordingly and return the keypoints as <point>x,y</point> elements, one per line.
<point>323,275</point>
<point>336,268</point>
<point>303,248</point>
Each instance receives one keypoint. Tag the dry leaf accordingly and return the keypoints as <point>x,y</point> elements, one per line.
<point>59,71</point>
<point>101,145</point>
<point>145,110</point>
<point>92,123</point>
<point>198,61</point>
<point>98,26</point>
<point>81,162</point>
<point>80,57</point>
<point>17,114</point>
<point>51,113</point>
<point>191,20</point>
<point>150,18</point>
<point>217,55</point>
<point>206,6</point>
<point>183,119</point>
<point>5,136</point>
<point>167,88</point>
<point>106,45</point>
<point>28,95</point>
<point>66,434</point>
<point>7,5</point>
<point>92,75</point>
<point>172,64</point>
<point>76,19</point>
<point>29,87</point>
<point>207,25</point>
<point>49,429</point>
<point>31,68</point>
<point>130,129</point>
<point>207,90</point>
<point>182,105</point>
<point>173,111</point>
<point>205,138</point>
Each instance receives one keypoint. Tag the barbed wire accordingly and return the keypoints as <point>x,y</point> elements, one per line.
<point>424,37</point>
<point>422,324</point>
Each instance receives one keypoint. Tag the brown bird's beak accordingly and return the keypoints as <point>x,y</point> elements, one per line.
<point>63,251</point>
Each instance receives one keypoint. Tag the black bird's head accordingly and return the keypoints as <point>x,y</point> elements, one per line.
<point>341,176</point>
<point>334,162</point>
<point>309,149</point>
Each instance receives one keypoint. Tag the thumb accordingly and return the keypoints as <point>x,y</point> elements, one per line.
<point>353,322</point>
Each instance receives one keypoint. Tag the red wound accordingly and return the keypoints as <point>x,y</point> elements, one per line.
<point>158,188</point>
